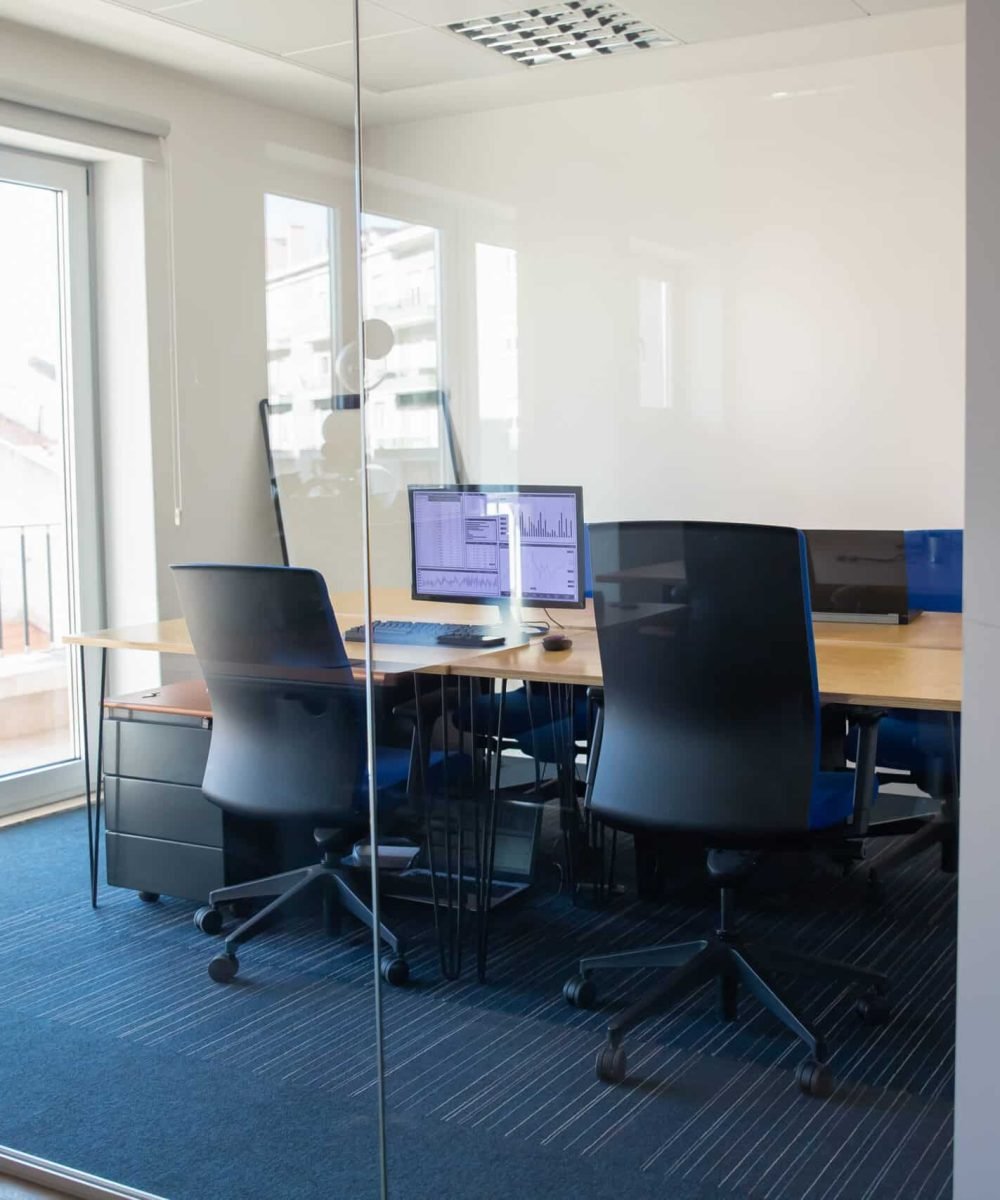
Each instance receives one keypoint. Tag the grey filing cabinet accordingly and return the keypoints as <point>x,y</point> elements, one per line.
<point>163,836</point>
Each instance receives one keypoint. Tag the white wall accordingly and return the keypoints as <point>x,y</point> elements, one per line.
<point>977,1149</point>
<point>810,222</point>
<point>121,320</point>
<point>226,152</point>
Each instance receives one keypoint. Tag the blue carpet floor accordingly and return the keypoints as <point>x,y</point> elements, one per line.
<point>120,1057</point>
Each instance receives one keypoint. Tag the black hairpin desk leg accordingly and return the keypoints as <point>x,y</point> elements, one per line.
<point>93,786</point>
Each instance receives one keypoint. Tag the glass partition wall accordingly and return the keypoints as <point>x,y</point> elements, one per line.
<point>150,1035</point>
<point>597,296</point>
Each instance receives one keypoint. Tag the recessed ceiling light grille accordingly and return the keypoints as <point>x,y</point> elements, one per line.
<point>562,32</point>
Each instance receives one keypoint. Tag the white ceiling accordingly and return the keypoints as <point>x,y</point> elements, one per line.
<point>405,45</point>
<point>299,52</point>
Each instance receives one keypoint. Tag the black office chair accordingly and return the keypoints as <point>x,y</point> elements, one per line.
<point>926,745</point>
<point>288,735</point>
<point>710,726</point>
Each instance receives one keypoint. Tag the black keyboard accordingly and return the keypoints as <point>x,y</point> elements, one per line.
<point>429,633</point>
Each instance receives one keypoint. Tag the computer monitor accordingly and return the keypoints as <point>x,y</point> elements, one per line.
<point>498,544</point>
<point>858,574</point>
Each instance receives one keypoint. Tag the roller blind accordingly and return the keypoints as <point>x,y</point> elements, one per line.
<point>83,122</point>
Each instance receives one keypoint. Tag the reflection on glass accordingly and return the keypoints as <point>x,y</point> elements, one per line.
<point>314,412</point>
<point>669,296</point>
<point>496,332</point>
<point>36,722</point>
<point>656,350</point>
<point>400,266</point>
<point>301,317</point>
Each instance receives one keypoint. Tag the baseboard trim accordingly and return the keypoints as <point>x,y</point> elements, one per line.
<point>34,812</point>
<point>64,1179</point>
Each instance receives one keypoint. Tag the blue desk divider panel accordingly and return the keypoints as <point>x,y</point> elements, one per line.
<point>934,569</point>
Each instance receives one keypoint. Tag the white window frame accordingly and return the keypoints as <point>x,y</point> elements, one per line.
<point>71,181</point>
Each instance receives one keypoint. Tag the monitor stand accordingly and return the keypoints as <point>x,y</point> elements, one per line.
<point>512,618</point>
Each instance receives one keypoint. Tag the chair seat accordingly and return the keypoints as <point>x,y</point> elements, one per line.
<point>519,716</point>
<point>392,766</point>
<point>832,800</point>
<point>906,741</point>
<point>912,741</point>
<point>548,742</point>
<point>393,773</point>
<point>532,727</point>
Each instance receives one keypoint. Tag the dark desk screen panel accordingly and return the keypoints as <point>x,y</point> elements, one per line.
<point>934,568</point>
<point>858,573</point>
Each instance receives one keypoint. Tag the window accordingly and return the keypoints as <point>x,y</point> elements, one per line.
<point>496,332</point>
<point>301,311</point>
<point>400,265</point>
<point>400,270</point>
<point>49,581</point>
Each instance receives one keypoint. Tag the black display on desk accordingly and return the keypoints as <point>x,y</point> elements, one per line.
<point>859,575</point>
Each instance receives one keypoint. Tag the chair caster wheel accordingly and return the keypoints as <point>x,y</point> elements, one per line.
<point>611,1064</point>
<point>149,897</point>
<point>395,970</point>
<point>208,920</point>
<point>814,1078</point>
<point>580,992</point>
<point>223,968</point>
<point>873,1008</point>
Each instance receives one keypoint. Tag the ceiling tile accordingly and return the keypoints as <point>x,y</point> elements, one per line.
<point>708,20</point>
<point>878,7</point>
<point>444,12</point>
<point>285,27</point>
<point>376,20</point>
<point>408,60</point>
<point>153,5</point>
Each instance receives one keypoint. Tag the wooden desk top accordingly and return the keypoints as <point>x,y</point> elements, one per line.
<point>904,666</point>
<point>390,662</point>
<point>189,698</point>
<point>930,631</point>
<point>171,637</point>
<point>162,637</point>
<point>936,631</point>
<point>894,676</point>
<point>849,672</point>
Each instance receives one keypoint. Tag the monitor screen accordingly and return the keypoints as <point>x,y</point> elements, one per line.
<point>857,571</point>
<point>485,544</point>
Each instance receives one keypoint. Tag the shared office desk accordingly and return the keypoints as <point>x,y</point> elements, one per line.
<point>916,666</point>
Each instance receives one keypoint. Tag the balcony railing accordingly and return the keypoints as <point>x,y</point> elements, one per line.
<point>28,600</point>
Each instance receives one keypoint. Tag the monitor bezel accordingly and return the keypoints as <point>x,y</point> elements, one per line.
<point>502,602</point>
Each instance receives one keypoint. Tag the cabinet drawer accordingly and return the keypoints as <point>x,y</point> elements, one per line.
<point>153,809</point>
<point>170,868</point>
<point>154,750</point>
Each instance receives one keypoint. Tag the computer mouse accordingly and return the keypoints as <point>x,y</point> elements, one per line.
<point>557,641</point>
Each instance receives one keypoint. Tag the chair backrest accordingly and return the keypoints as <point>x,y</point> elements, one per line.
<point>288,718</point>
<point>711,708</point>
<point>934,569</point>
